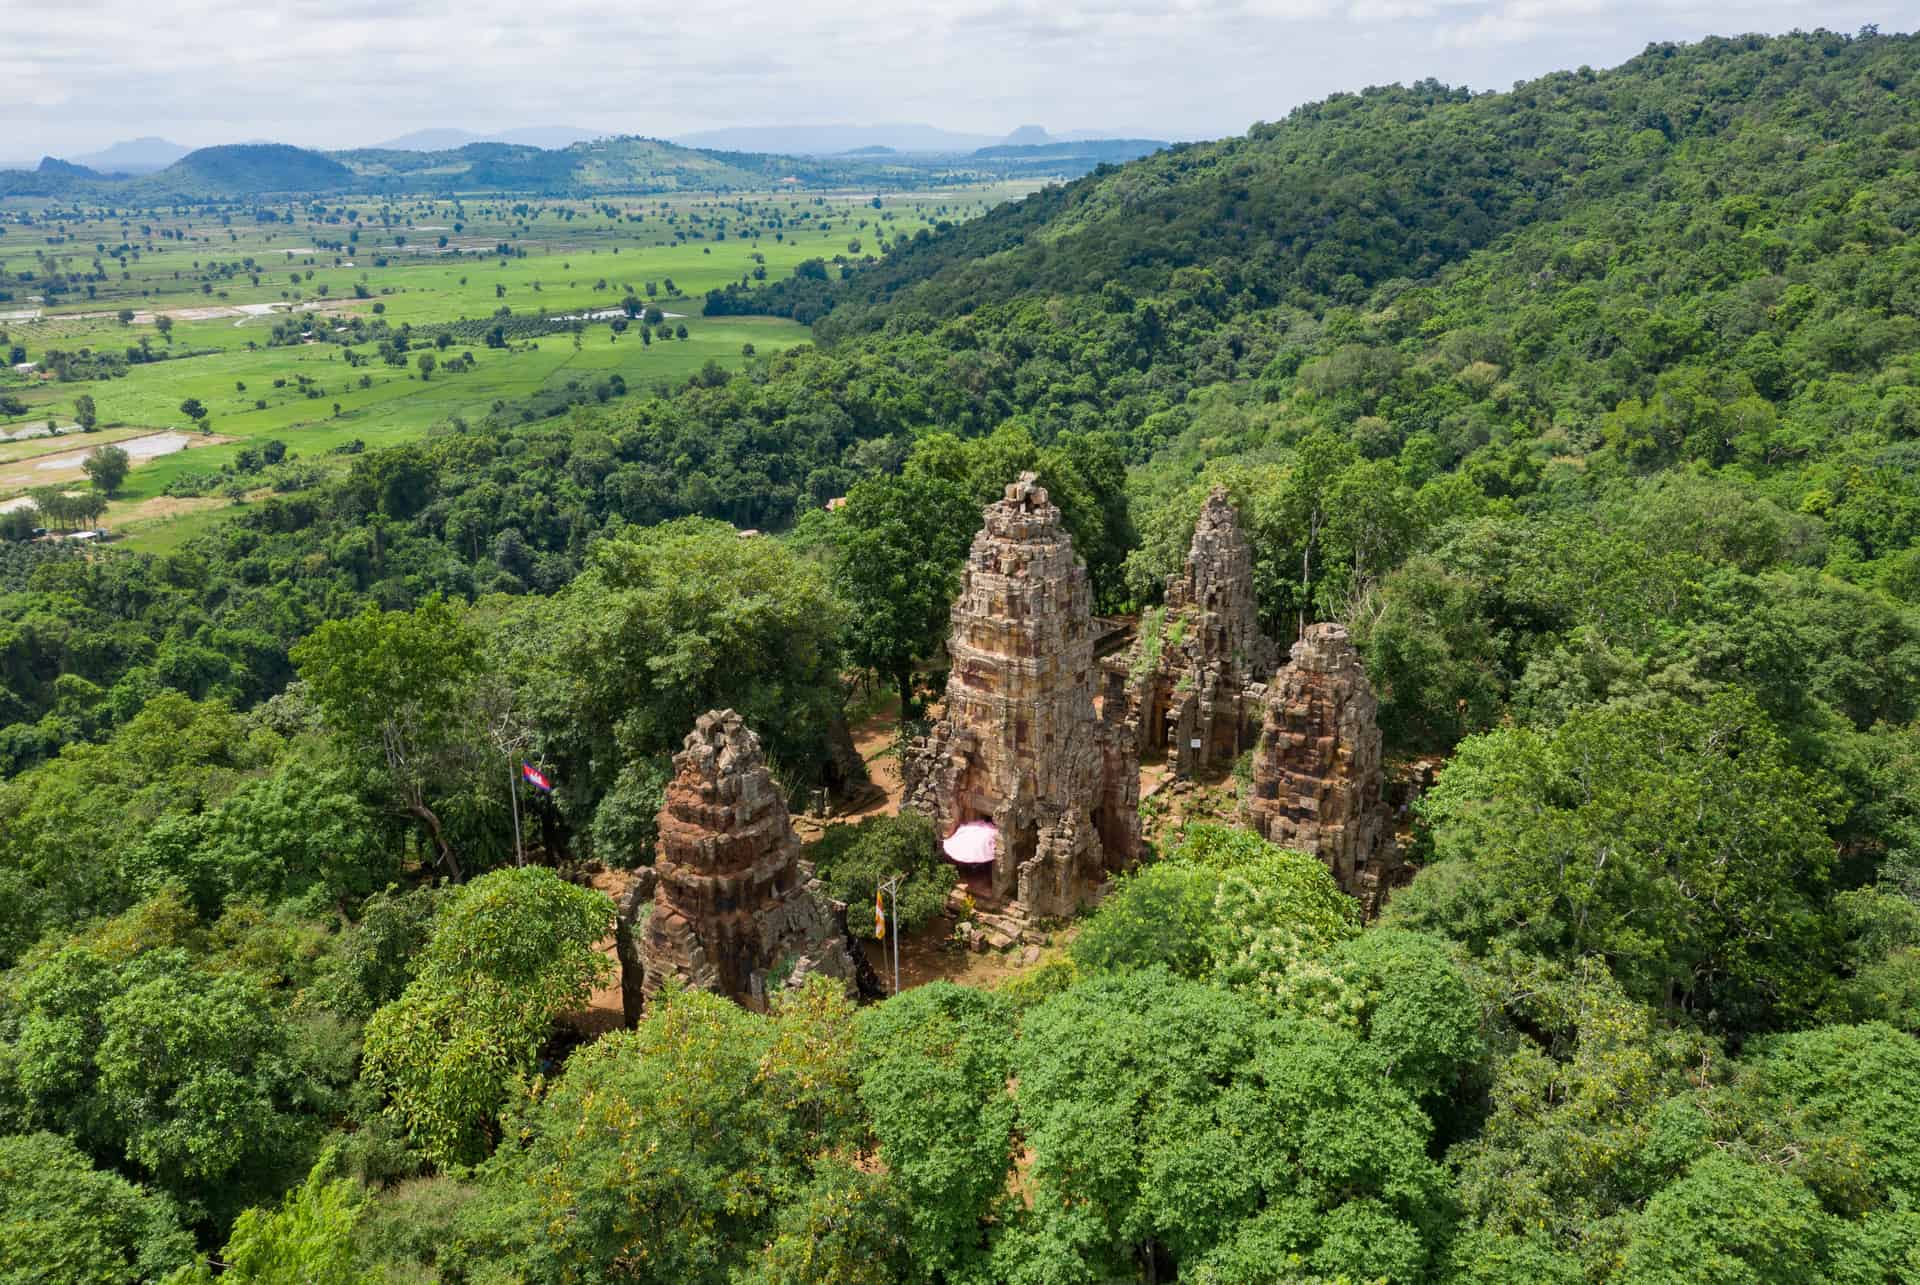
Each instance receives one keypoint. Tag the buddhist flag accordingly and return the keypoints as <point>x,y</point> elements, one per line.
<point>533,774</point>
<point>880,916</point>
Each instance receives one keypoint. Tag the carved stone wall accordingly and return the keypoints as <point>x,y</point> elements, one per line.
<point>1019,742</point>
<point>1190,683</point>
<point>733,912</point>
<point>1317,780</point>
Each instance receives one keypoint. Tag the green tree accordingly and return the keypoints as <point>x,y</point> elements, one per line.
<point>1226,906</point>
<point>1173,1130</point>
<point>397,687</point>
<point>65,824</point>
<point>665,1153</point>
<point>934,1063</point>
<point>662,626</point>
<point>1580,1104</point>
<point>508,954</point>
<point>1371,525</point>
<point>85,413</point>
<point>374,958</point>
<point>853,860</point>
<point>1403,994</point>
<point>301,828</point>
<point>1729,1222</point>
<point>196,1071</point>
<point>899,543</point>
<point>107,467</point>
<point>1160,915</point>
<point>309,1238</point>
<point>1431,654</point>
<point>137,1044</point>
<point>62,1219</point>
<point>1834,1096</point>
<point>1679,842</point>
<point>847,1226</point>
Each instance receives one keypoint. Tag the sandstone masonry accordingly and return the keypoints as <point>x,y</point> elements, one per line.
<point>733,912</point>
<point>1317,781</point>
<point>1193,681</point>
<point>1019,743</point>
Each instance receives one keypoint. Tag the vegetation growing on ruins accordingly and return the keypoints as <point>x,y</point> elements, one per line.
<point>1588,407</point>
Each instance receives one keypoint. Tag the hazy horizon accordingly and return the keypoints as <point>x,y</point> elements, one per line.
<point>81,78</point>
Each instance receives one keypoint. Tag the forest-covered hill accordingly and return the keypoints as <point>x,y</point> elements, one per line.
<point>624,164</point>
<point>1588,406</point>
<point>244,170</point>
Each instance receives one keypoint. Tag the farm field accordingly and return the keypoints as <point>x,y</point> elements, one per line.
<point>297,324</point>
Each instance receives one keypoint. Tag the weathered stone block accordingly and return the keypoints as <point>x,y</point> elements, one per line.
<point>1019,743</point>
<point>733,912</point>
<point>1190,683</point>
<point>1317,780</point>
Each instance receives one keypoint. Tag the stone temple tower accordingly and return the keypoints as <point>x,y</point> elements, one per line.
<point>1194,681</point>
<point>1019,744</point>
<point>732,910</point>
<point>1317,776</point>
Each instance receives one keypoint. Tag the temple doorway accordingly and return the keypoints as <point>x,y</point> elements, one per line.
<point>972,848</point>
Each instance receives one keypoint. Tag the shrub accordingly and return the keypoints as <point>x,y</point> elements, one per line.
<point>853,860</point>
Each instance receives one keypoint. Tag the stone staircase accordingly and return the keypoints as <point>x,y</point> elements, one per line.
<point>990,925</point>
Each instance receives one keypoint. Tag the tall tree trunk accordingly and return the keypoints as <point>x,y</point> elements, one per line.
<point>627,946</point>
<point>445,849</point>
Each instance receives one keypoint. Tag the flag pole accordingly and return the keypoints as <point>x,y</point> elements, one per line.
<point>880,913</point>
<point>513,794</point>
<point>892,888</point>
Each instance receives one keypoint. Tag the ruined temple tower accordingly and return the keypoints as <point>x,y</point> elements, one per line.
<point>1019,744</point>
<point>732,911</point>
<point>1317,781</point>
<point>1193,681</point>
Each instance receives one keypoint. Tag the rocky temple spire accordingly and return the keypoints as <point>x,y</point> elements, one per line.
<point>732,910</point>
<point>1217,584</point>
<point>1317,779</point>
<point>1191,683</point>
<point>1019,743</point>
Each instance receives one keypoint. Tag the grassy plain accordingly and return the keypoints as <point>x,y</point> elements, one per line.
<point>225,280</point>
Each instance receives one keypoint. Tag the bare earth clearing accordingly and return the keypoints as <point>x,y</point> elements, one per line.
<point>65,466</point>
<point>929,955</point>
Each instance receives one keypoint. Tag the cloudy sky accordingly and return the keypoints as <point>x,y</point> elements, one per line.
<point>79,74</point>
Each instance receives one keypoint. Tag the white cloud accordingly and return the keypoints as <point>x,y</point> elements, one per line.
<point>81,73</point>
<point>1509,22</point>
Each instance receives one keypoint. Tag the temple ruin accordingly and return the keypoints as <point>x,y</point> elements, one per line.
<point>1019,747</point>
<point>1193,681</point>
<point>732,909</point>
<point>1317,779</point>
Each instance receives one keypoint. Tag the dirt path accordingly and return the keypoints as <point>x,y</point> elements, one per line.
<point>926,956</point>
<point>873,740</point>
<point>931,955</point>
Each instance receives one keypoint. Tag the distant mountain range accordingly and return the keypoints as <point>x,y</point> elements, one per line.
<point>836,140</point>
<point>447,140</point>
<point>147,155</point>
<point>135,156</point>
<point>609,165</point>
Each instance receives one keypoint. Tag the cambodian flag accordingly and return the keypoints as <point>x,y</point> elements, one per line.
<point>533,774</point>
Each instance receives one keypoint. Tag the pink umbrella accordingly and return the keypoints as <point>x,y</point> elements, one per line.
<point>972,844</point>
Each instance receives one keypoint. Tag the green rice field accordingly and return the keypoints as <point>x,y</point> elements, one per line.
<point>251,314</point>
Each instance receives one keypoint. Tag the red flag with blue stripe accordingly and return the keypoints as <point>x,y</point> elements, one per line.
<point>533,774</point>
